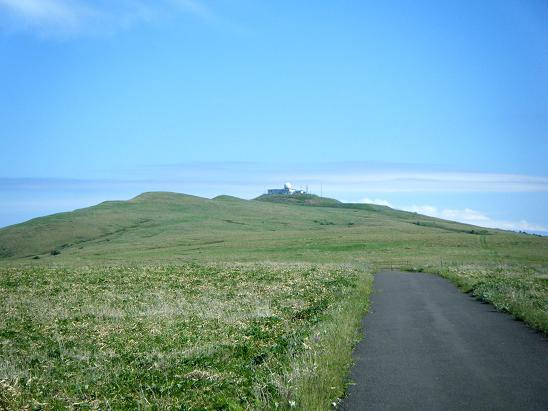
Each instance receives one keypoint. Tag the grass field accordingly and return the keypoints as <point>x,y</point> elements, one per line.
<point>185,337</point>
<point>172,301</point>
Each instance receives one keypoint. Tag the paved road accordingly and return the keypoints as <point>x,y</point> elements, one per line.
<point>428,346</point>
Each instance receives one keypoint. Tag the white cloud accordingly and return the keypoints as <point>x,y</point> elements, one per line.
<point>423,209</point>
<point>46,13</point>
<point>62,17</point>
<point>521,225</point>
<point>474,217</point>
<point>466,214</point>
<point>376,201</point>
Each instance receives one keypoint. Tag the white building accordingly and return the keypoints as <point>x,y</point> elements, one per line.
<point>288,189</point>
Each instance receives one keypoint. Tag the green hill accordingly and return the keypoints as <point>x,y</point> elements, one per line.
<point>176,227</point>
<point>171,301</point>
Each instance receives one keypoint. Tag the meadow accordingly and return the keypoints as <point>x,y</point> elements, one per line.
<point>172,301</point>
<point>224,336</point>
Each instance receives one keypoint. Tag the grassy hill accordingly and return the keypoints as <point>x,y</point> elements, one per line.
<point>173,227</point>
<point>170,301</point>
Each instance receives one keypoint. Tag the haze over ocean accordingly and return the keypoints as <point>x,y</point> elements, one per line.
<point>436,108</point>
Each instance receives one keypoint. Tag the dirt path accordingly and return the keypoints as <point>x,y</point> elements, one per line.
<point>427,346</point>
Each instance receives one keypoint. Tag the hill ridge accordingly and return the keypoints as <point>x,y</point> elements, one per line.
<point>165,226</point>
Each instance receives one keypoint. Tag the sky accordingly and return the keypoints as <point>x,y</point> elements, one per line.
<point>436,107</point>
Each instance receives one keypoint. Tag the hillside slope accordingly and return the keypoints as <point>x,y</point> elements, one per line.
<point>174,227</point>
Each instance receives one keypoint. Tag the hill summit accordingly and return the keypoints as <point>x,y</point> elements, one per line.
<point>300,199</point>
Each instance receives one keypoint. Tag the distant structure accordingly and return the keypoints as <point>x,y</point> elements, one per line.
<point>288,189</point>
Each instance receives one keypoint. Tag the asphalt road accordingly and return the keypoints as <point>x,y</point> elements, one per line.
<point>428,346</point>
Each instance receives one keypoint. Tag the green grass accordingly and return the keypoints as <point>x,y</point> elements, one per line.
<point>319,377</point>
<point>187,336</point>
<point>173,301</point>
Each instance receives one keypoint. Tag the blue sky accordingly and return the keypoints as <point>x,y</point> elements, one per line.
<point>433,106</point>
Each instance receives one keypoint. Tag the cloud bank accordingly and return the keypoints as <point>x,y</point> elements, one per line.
<point>353,177</point>
<point>427,181</point>
<point>465,215</point>
<point>474,217</point>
